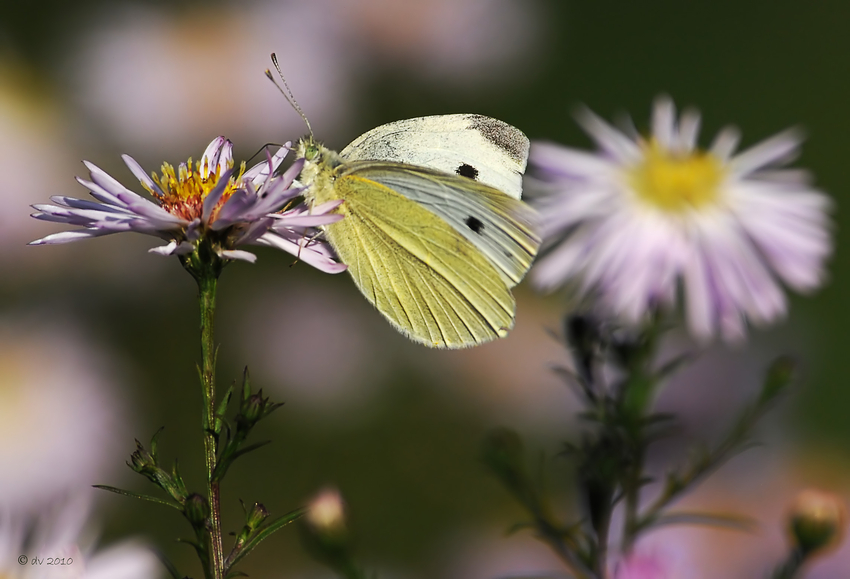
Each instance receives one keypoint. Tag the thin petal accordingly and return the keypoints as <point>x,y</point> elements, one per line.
<point>776,150</point>
<point>664,122</point>
<point>312,253</point>
<point>238,254</point>
<point>609,139</point>
<point>141,175</point>
<point>213,197</point>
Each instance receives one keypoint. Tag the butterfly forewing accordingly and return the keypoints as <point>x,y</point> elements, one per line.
<point>432,284</point>
<point>482,148</point>
<point>502,228</point>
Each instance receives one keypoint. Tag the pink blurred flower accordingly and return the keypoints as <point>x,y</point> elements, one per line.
<point>208,200</point>
<point>630,223</point>
<point>641,566</point>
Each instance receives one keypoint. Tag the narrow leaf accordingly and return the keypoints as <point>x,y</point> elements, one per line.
<point>737,522</point>
<point>166,562</point>
<point>221,468</point>
<point>138,496</point>
<point>264,533</point>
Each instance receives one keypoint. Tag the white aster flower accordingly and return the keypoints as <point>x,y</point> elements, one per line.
<point>57,414</point>
<point>632,221</point>
<point>57,545</point>
<point>207,201</point>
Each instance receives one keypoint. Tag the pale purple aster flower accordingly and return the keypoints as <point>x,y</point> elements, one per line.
<point>58,544</point>
<point>209,200</point>
<point>630,223</point>
<point>642,566</point>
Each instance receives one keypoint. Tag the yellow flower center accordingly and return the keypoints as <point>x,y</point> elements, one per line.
<point>677,182</point>
<point>185,189</point>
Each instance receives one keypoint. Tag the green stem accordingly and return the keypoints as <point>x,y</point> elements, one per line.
<point>601,555</point>
<point>632,491</point>
<point>637,399</point>
<point>207,289</point>
<point>792,565</point>
<point>569,554</point>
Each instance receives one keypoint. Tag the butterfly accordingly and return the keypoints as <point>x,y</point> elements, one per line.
<point>435,234</point>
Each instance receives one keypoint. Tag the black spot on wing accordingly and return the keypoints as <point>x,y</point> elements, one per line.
<point>474,224</point>
<point>467,171</point>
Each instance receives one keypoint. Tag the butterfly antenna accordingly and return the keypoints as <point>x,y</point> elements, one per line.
<point>290,98</point>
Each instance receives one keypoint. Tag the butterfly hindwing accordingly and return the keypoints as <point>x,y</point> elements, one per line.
<point>405,259</point>
<point>477,147</point>
<point>502,228</point>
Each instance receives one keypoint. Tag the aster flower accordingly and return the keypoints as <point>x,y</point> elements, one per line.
<point>643,215</point>
<point>56,419</point>
<point>641,566</point>
<point>60,533</point>
<point>209,201</point>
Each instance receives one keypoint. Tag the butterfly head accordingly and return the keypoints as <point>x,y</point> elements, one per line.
<point>308,149</point>
<point>319,164</point>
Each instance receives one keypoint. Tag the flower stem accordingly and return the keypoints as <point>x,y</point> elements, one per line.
<point>207,289</point>
<point>790,568</point>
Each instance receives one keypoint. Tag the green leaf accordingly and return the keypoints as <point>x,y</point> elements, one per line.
<point>777,378</point>
<point>118,491</point>
<point>517,527</point>
<point>202,552</point>
<point>166,562</point>
<point>671,367</point>
<point>226,461</point>
<point>155,441</point>
<point>729,521</point>
<point>246,385</point>
<point>265,532</point>
<point>221,411</point>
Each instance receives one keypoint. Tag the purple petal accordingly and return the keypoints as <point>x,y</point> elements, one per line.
<point>69,236</point>
<point>239,254</point>
<point>776,150</point>
<point>141,175</point>
<point>313,254</point>
<point>213,196</point>
<point>260,172</point>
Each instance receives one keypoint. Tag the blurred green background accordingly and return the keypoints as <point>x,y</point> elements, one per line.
<point>394,426</point>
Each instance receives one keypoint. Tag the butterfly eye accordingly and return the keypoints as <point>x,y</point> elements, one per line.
<point>311,152</point>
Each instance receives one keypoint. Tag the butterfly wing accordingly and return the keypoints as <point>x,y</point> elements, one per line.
<point>502,228</point>
<point>429,282</point>
<point>487,150</point>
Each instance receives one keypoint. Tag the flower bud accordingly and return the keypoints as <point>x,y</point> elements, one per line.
<point>327,514</point>
<point>142,461</point>
<point>197,510</point>
<point>817,521</point>
<point>255,518</point>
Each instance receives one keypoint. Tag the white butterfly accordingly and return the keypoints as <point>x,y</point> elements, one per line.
<point>434,234</point>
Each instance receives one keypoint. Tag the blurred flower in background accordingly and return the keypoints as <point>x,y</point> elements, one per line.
<point>761,487</point>
<point>59,415</point>
<point>644,565</point>
<point>153,80</point>
<point>319,348</point>
<point>34,158</point>
<point>463,43</point>
<point>643,214</point>
<point>62,532</point>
